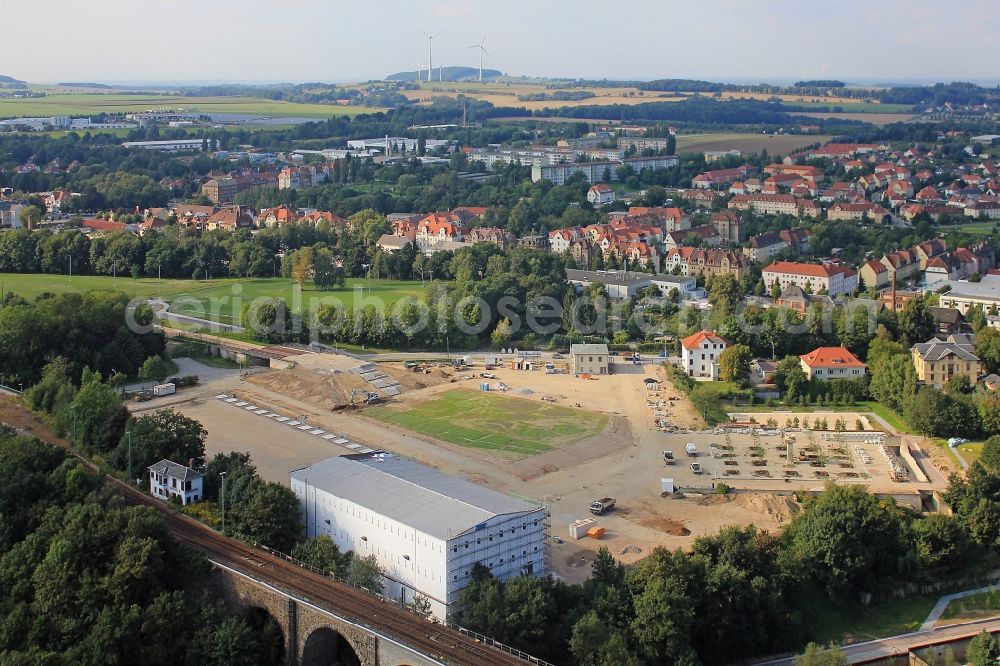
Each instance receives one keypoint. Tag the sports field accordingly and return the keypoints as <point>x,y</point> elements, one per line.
<point>92,104</point>
<point>215,299</point>
<point>515,426</point>
<point>747,143</point>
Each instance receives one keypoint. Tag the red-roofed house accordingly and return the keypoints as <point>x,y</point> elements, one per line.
<point>825,363</point>
<point>434,228</point>
<point>700,354</point>
<point>812,278</point>
<point>104,226</point>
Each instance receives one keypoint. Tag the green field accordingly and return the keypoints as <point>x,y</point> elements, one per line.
<point>92,104</point>
<point>515,426</point>
<point>828,623</point>
<point>781,144</point>
<point>984,227</point>
<point>852,107</point>
<point>223,300</point>
<point>216,298</point>
<point>29,286</point>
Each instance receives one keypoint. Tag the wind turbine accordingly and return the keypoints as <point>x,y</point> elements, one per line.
<point>430,52</point>
<point>420,69</point>
<point>482,49</point>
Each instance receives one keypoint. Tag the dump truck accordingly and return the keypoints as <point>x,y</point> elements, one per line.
<point>603,505</point>
<point>668,457</point>
<point>164,389</point>
<point>692,449</point>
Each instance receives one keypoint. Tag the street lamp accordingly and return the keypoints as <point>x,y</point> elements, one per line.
<point>222,475</point>
<point>129,433</point>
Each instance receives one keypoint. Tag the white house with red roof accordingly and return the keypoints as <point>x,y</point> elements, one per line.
<point>826,363</point>
<point>600,194</point>
<point>811,278</point>
<point>700,354</point>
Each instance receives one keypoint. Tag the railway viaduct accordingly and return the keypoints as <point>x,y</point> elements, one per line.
<point>313,636</point>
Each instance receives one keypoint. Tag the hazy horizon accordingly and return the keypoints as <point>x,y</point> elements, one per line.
<point>175,41</point>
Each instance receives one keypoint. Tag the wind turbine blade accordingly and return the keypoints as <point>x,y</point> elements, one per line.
<point>484,50</point>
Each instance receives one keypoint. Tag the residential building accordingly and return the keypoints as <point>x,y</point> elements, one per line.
<point>705,234</point>
<point>794,298</point>
<point>220,190</point>
<point>764,246</point>
<point>901,264</point>
<point>856,212</point>
<point>947,321</point>
<point>767,204</point>
<point>700,354</point>
<point>810,173</point>
<point>172,481</point>
<point>599,170</point>
<point>730,226</point>
<point>693,261</point>
<point>499,237</point>
<point>874,274</point>
<point>828,363</point>
<point>929,249</point>
<point>686,286</point>
<point>589,359</point>
<point>814,278</point>
<point>426,529</point>
<point>600,194</point>
<point>720,178</point>
<point>937,361</point>
<point>797,238</point>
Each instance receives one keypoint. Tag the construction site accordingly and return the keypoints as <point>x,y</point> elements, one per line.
<point>527,426</point>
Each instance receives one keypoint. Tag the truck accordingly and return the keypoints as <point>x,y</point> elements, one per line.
<point>668,457</point>
<point>164,389</point>
<point>603,505</point>
<point>692,449</point>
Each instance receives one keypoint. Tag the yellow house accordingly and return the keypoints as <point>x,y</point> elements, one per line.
<point>938,361</point>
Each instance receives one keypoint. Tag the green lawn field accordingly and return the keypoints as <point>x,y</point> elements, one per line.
<point>514,426</point>
<point>984,227</point>
<point>747,143</point>
<point>223,300</point>
<point>214,299</point>
<point>92,104</point>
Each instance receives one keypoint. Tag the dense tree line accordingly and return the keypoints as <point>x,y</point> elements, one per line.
<point>87,579</point>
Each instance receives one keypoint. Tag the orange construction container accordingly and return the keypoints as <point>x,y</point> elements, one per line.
<point>595,532</point>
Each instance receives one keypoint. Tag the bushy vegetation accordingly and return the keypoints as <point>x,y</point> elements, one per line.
<point>87,579</point>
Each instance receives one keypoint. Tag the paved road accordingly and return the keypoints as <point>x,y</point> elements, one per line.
<point>900,645</point>
<point>161,310</point>
<point>187,367</point>
<point>948,598</point>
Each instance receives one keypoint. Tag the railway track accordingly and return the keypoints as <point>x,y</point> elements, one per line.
<point>436,641</point>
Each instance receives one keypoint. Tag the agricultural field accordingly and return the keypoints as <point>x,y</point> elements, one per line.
<point>506,94</point>
<point>514,426</point>
<point>223,300</point>
<point>92,104</point>
<point>747,143</point>
<point>865,117</point>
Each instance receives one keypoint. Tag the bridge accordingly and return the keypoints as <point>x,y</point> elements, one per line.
<point>323,620</point>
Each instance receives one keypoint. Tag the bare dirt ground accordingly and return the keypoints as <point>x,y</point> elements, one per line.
<point>326,380</point>
<point>625,462</point>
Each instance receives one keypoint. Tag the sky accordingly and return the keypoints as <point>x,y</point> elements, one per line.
<point>348,40</point>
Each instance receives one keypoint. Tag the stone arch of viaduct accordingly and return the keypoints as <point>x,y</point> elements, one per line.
<point>303,626</point>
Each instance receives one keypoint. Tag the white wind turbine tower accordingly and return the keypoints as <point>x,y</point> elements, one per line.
<point>482,49</point>
<point>430,53</point>
<point>420,69</point>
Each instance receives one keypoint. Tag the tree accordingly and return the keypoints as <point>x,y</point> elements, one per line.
<point>302,266</point>
<point>326,275</point>
<point>848,541</point>
<point>166,434</point>
<point>817,655</point>
<point>990,457</point>
<point>100,415</point>
<point>983,650</point>
<point>941,544</point>
<point>734,364</point>
<point>30,216</point>
<point>366,572</point>
<point>321,553</point>
<point>988,348</point>
<point>154,368</point>
<point>268,513</point>
<point>916,323</point>
<point>502,334</point>
<point>790,378</point>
